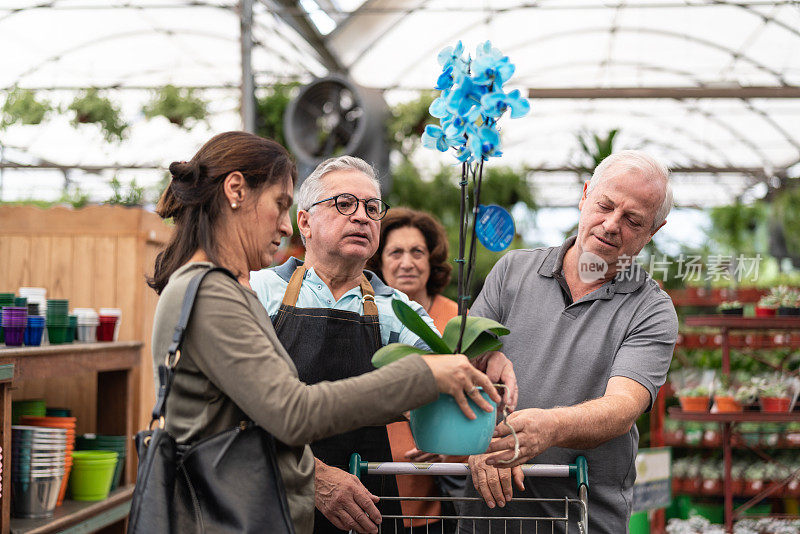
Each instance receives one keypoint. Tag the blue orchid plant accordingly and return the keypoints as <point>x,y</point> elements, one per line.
<point>471,102</point>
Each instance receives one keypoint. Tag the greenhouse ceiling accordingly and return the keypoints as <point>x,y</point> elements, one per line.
<point>712,88</point>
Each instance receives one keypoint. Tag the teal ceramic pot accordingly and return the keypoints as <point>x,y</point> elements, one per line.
<point>441,428</point>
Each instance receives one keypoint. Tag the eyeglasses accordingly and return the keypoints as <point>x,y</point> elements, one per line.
<point>347,204</point>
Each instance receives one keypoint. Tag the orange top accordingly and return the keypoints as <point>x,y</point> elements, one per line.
<point>442,310</point>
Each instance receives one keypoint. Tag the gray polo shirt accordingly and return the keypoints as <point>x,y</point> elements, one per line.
<point>564,353</point>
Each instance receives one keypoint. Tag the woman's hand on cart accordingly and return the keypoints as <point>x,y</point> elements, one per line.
<point>494,484</point>
<point>343,499</point>
<point>535,429</point>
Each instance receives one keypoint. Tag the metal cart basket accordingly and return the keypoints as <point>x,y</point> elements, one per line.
<point>575,510</point>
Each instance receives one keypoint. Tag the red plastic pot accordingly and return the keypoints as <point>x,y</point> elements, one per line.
<point>694,404</point>
<point>793,488</point>
<point>737,486</point>
<point>775,404</point>
<point>677,485</point>
<point>765,312</point>
<point>792,439</point>
<point>105,330</point>
<point>692,485</point>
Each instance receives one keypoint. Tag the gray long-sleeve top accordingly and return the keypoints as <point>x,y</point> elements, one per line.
<point>233,367</point>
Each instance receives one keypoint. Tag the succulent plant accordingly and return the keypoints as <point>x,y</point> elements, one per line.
<point>694,391</point>
<point>769,301</point>
<point>729,305</point>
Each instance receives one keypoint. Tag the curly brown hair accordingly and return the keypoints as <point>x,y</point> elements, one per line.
<point>435,240</point>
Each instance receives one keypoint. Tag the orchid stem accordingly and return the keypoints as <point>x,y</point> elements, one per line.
<point>463,297</point>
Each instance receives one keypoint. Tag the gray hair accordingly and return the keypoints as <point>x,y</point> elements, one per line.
<point>646,165</point>
<point>313,188</point>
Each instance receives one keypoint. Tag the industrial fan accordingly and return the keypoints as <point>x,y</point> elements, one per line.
<point>332,117</point>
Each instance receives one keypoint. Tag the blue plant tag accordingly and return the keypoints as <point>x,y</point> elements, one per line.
<point>495,227</point>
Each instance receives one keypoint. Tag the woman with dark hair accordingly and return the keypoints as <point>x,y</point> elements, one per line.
<point>230,204</point>
<point>412,257</point>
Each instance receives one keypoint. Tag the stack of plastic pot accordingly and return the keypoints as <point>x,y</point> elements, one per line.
<point>58,321</point>
<point>108,313</point>
<point>35,295</point>
<point>68,425</point>
<point>6,299</point>
<point>14,322</point>
<point>34,333</point>
<point>37,469</point>
<point>93,442</point>
<point>30,407</point>
<point>87,324</point>
<point>72,328</point>
<point>92,474</point>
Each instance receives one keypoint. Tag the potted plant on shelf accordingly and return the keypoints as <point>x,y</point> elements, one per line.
<point>731,308</point>
<point>176,105</point>
<point>774,397</point>
<point>791,438</point>
<point>731,399</point>
<point>790,303</point>
<point>693,433</point>
<point>693,481</point>
<point>679,472</point>
<point>694,399</point>
<point>767,306</point>
<point>770,435</point>
<point>712,436</point>
<point>754,476</point>
<point>711,473</point>
<point>673,433</point>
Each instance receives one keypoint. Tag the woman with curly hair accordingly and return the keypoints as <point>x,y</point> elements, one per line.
<point>412,257</point>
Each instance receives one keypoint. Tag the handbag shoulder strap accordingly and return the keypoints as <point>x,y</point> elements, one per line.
<point>166,370</point>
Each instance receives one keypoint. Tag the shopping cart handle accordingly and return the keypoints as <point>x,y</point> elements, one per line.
<point>581,472</point>
<point>357,466</point>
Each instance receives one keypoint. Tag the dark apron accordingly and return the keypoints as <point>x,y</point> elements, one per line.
<point>327,344</point>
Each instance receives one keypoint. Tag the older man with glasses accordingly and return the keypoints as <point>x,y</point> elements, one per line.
<point>331,316</point>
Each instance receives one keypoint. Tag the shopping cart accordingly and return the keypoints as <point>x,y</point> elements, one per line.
<point>575,510</point>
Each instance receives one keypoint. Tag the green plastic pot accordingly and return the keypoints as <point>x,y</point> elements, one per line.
<point>91,482</point>
<point>57,334</point>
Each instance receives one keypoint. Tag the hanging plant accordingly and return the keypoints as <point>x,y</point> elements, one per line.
<point>176,104</point>
<point>22,107</point>
<point>270,109</point>
<point>90,107</point>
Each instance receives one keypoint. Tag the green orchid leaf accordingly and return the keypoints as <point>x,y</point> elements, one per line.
<point>484,343</point>
<point>474,328</point>
<point>393,352</point>
<point>416,324</point>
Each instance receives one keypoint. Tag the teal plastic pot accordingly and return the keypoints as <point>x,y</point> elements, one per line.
<point>441,428</point>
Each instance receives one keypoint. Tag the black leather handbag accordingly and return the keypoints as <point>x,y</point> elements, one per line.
<point>228,482</point>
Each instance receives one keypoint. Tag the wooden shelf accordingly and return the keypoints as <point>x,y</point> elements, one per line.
<point>114,363</point>
<point>733,322</point>
<point>740,417</point>
<point>80,516</point>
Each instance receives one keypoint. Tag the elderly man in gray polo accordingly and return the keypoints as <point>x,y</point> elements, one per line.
<point>591,340</point>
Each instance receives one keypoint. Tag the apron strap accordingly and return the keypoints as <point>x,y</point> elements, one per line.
<point>296,282</point>
<point>368,297</point>
<point>293,289</point>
